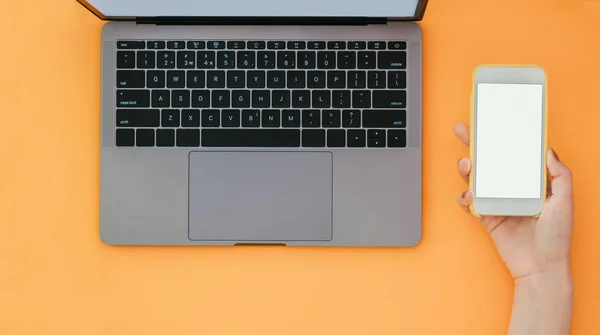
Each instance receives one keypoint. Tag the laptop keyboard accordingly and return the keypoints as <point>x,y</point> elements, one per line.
<point>337,94</point>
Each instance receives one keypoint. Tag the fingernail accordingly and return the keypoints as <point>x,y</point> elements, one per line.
<point>464,194</point>
<point>554,154</point>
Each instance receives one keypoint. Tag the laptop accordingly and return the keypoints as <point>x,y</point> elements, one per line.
<point>260,122</point>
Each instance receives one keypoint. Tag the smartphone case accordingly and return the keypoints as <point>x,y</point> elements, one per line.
<point>472,130</point>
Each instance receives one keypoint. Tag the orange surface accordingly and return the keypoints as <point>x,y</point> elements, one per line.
<point>56,277</point>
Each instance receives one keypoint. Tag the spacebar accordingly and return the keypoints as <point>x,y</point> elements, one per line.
<point>250,137</point>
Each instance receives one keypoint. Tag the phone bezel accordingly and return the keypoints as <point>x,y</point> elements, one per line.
<point>509,75</point>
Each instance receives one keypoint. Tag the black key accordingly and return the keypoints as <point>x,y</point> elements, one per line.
<point>340,99</point>
<point>357,79</point>
<point>379,118</point>
<point>276,45</point>
<point>126,59</point>
<point>307,59</point>
<point>296,79</point>
<point>270,117</point>
<point>211,118</point>
<point>240,98</point>
<point>236,45</point>
<point>125,137</point>
<point>186,59</point>
<point>346,60</point>
<point>275,79</point>
<point>300,99</point>
<point>196,79</point>
<point>351,118</point>
<point>290,118</point>
<point>356,138</point>
<point>170,118</point>
<point>336,79</point>
<point>266,60</point>
<point>313,138</point>
<point>311,118</point>
<point>236,79</point>
<point>188,137</point>
<point>165,137</point>
<point>155,79</point>
<point>361,99</point>
<point>138,118</point>
<point>256,79</point>
<point>221,99</point>
<point>215,79</point>
<point>161,98</point>
<point>200,98</point>
<point>256,45</point>
<point>250,118</point>
<point>321,99</point>
<point>175,79</point>
<point>131,45</point>
<point>336,138</point>
<point>175,45</point>
<point>261,99</point>
<point>226,59</point>
<point>316,45</point>
<point>196,45</point>
<point>286,59</point>
<point>144,137</point>
<point>357,45</point>
<point>155,44</point>
<point>316,79</point>
<point>146,59</point>
<point>133,98</point>
<point>131,79</point>
<point>389,99</point>
<point>231,118</point>
<point>376,79</point>
<point>215,45</point>
<point>180,98</point>
<point>331,118</point>
<point>246,59</point>
<point>190,118</point>
<point>376,138</point>
<point>396,138</point>
<point>391,60</point>
<point>165,59</point>
<point>376,45</point>
<point>281,99</point>
<point>400,45</point>
<point>336,45</point>
<point>296,45</point>
<point>396,79</point>
<point>367,59</point>
<point>251,138</point>
<point>205,59</point>
<point>326,60</point>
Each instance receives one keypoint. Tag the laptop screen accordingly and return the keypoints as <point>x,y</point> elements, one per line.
<point>113,9</point>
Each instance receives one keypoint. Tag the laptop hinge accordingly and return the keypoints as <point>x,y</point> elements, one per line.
<point>270,21</point>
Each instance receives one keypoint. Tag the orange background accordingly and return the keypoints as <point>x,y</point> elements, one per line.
<point>56,277</point>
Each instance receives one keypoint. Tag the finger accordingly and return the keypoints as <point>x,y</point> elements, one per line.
<point>562,181</point>
<point>465,199</point>
<point>464,168</point>
<point>463,133</point>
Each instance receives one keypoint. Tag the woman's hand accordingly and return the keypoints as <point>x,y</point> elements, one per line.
<point>528,245</point>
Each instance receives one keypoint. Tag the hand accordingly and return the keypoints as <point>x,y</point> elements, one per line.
<point>528,245</point>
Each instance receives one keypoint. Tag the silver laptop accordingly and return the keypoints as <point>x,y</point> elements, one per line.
<point>260,122</point>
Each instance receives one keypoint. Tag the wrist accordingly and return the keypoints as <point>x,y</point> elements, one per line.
<point>555,279</point>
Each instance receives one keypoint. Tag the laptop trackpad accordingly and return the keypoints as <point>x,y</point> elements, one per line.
<point>260,196</point>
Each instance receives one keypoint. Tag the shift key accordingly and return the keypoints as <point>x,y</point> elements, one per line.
<point>389,99</point>
<point>384,118</point>
<point>133,98</point>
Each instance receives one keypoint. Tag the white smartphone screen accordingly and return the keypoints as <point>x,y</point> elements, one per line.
<point>509,135</point>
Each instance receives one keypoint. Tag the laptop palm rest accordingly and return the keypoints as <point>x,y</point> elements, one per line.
<point>260,196</point>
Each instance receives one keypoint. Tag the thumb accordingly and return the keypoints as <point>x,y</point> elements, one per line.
<point>562,181</point>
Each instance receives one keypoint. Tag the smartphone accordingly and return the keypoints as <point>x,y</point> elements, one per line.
<point>508,140</point>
